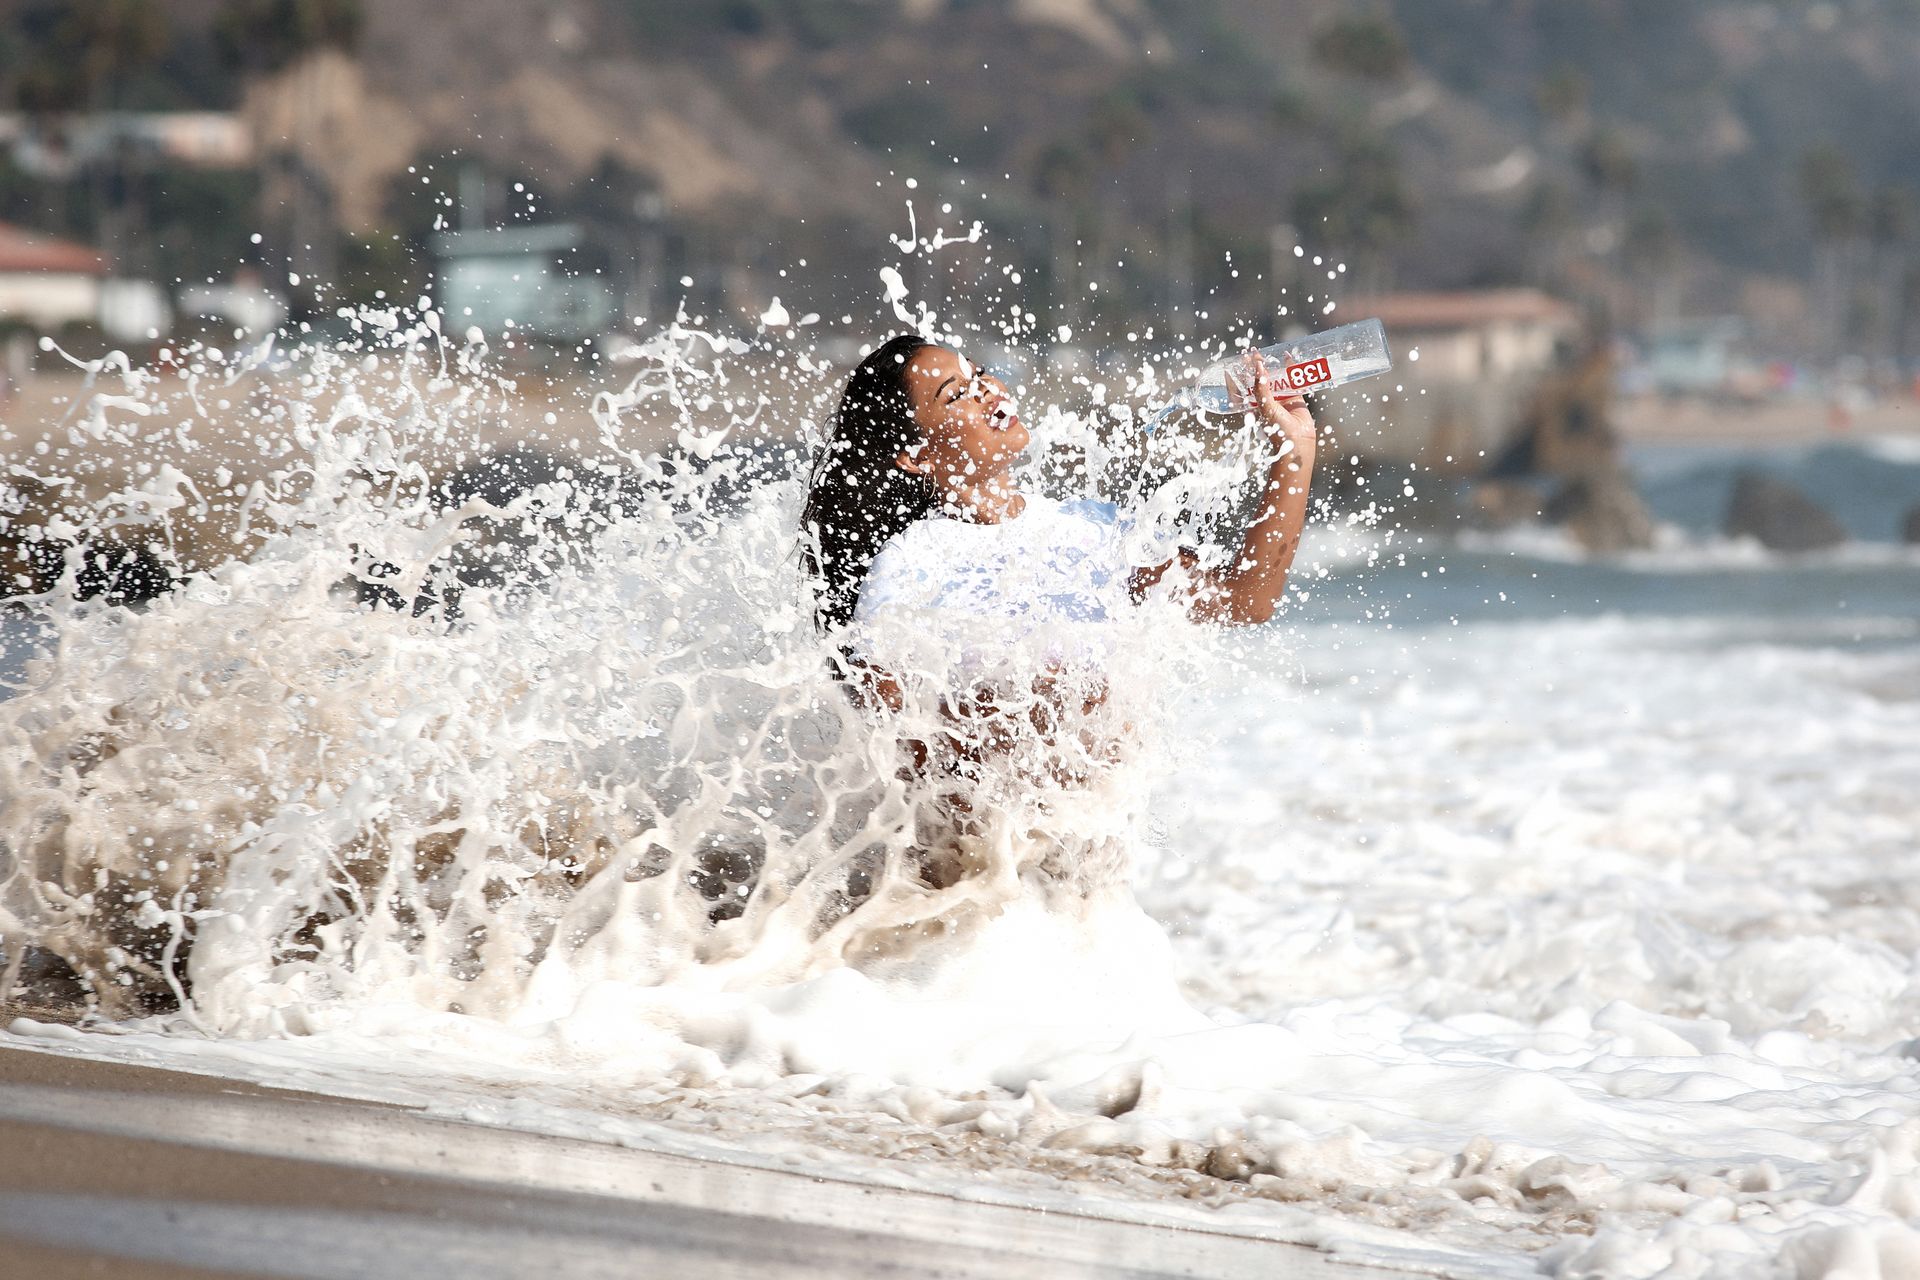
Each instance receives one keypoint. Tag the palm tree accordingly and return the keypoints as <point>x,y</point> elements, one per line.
<point>1895,222</point>
<point>265,35</point>
<point>258,37</point>
<point>1838,210</point>
<point>88,54</point>
<point>1367,207</point>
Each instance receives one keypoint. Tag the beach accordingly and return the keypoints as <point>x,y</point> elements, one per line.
<point>139,1171</point>
<point>1500,909</point>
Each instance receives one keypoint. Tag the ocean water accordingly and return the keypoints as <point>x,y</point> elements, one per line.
<point>1497,910</point>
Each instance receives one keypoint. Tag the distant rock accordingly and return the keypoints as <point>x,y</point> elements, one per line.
<point>1910,527</point>
<point>1500,504</point>
<point>1779,516</point>
<point>567,501</point>
<point>571,499</point>
<point>135,574</point>
<point>1603,512</point>
<point>501,476</point>
<point>131,575</point>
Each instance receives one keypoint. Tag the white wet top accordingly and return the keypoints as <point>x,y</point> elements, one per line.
<point>1056,567</point>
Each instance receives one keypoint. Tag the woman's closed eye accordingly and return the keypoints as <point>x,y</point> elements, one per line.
<point>992,392</point>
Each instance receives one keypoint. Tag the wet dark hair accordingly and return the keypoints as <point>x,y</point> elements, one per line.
<point>858,497</point>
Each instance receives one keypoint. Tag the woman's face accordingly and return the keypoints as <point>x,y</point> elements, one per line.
<point>973,434</point>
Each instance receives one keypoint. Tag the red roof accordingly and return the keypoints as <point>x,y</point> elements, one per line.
<point>22,250</point>
<point>1467,309</point>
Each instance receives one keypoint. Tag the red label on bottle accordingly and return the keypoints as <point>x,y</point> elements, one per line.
<point>1306,375</point>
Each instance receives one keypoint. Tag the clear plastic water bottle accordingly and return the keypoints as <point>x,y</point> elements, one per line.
<point>1317,362</point>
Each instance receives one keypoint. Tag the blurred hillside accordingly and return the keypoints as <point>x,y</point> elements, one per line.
<point>1645,158</point>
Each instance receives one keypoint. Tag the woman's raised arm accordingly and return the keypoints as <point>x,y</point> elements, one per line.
<point>1246,592</point>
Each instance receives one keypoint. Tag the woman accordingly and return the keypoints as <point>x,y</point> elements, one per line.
<point>973,606</point>
<point>914,502</point>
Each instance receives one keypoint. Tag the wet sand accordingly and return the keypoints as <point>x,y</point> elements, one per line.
<point>1786,421</point>
<point>138,1172</point>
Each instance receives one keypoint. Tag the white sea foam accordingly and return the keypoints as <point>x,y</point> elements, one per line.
<point>1677,551</point>
<point>1592,942</point>
<point>1901,449</point>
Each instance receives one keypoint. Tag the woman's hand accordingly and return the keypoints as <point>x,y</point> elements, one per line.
<point>1286,417</point>
<point>1247,591</point>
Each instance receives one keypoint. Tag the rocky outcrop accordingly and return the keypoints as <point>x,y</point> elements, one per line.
<point>1566,428</point>
<point>1562,464</point>
<point>114,565</point>
<point>1910,527</point>
<point>1778,516</point>
<point>1492,505</point>
<point>1602,511</point>
<point>567,502</point>
<point>124,575</point>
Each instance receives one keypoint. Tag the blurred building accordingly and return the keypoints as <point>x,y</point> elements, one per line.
<point>542,281</point>
<point>1471,361</point>
<point>47,283</point>
<point>59,147</point>
<point>242,302</point>
<point>1686,357</point>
